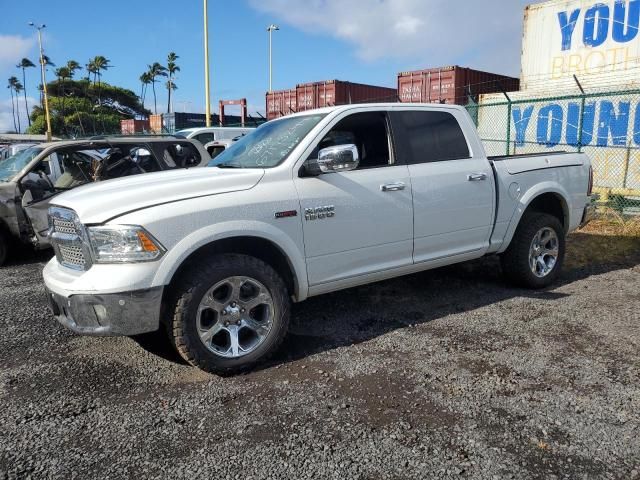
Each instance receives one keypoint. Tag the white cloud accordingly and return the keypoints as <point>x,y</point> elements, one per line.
<point>425,33</point>
<point>12,49</point>
<point>6,115</point>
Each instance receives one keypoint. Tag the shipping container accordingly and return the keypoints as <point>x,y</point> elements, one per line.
<point>336,92</point>
<point>452,85</point>
<point>307,96</point>
<point>174,121</point>
<point>131,126</point>
<point>281,102</point>
<point>155,123</point>
<point>596,40</point>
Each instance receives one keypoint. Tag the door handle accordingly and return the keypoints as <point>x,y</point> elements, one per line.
<point>392,187</point>
<point>476,177</point>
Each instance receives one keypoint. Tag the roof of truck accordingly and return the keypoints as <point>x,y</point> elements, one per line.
<point>382,106</point>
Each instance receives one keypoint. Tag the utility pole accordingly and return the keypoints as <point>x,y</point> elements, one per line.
<point>207,93</point>
<point>44,79</point>
<point>271,28</point>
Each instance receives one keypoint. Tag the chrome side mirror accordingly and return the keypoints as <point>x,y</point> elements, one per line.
<point>340,158</point>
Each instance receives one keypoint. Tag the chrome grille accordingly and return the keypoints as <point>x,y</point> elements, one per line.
<point>64,226</point>
<point>69,239</point>
<point>72,256</point>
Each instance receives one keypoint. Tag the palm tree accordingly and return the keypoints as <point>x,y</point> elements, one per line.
<point>172,68</point>
<point>63,74</point>
<point>17,87</point>
<point>24,64</point>
<point>99,63</point>
<point>171,86</point>
<point>10,84</point>
<point>145,79</point>
<point>72,66</point>
<point>156,70</point>
<point>91,70</point>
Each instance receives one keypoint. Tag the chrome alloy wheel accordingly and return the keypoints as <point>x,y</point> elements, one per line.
<point>235,316</point>
<point>543,252</point>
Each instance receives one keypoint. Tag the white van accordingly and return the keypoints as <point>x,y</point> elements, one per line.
<point>208,134</point>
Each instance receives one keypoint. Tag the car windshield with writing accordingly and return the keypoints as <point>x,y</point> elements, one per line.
<point>269,145</point>
<point>11,166</point>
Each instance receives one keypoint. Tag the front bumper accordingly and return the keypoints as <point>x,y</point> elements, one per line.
<point>126,313</point>
<point>588,214</point>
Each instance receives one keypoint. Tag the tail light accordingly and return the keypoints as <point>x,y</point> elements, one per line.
<point>590,188</point>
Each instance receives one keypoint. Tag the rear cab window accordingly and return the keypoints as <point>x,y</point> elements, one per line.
<point>428,136</point>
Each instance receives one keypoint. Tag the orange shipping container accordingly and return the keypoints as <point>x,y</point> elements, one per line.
<point>281,102</point>
<point>155,122</point>
<point>451,85</point>
<point>336,92</point>
<point>307,96</point>
<point>131,126</point>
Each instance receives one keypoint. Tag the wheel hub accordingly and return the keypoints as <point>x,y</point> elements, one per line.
<point>235,316</point>
<point>544,251</point>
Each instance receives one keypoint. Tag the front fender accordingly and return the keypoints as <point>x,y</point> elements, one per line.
<point>219,231</point>
<point>525,200</point>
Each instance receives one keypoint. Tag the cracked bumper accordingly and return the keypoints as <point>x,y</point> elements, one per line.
<point>126,313</point>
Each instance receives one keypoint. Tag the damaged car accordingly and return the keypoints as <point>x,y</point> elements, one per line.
<point>32,177</point>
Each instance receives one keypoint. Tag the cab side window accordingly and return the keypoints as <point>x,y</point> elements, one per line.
<point>181,155</point>
<point>368,132</point>
<point>205,138</point>
<point>428,136</point>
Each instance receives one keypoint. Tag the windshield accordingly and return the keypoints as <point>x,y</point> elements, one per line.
<point>268,145</point>
<point>9,167</point>
<point>182,133</point>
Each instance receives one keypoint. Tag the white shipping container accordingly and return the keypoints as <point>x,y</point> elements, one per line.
<point>596,40</point>
<point>610,132</point>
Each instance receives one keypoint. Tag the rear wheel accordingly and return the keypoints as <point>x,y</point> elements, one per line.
<point>536,253</point>
<point>229,314</point>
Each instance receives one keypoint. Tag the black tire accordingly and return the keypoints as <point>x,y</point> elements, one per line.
<point>4,247</point>
<point>515,260</point>
<point>190,289</point>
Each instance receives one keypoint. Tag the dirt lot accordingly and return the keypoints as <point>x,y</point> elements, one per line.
<point>449,373</point>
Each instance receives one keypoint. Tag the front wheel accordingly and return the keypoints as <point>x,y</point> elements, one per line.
<point>229,313</point>
<point>534,257</point>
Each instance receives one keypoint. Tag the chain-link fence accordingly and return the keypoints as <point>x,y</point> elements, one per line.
<point>604,125</point>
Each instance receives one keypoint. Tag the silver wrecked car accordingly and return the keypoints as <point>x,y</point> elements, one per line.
<point>32,177</point>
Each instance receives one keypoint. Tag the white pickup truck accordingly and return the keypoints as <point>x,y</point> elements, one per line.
<point>304,205</point>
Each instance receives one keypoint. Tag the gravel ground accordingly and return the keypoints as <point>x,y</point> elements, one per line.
<point>449,373</point>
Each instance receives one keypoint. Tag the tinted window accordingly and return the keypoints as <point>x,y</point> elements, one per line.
<point>181,155</point>
<point>205,138</point>
<point>368,132</point>
<point>429,136</point>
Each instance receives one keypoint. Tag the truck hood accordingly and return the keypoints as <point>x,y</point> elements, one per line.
<point>102,201</point>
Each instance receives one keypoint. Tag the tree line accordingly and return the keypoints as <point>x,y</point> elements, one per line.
<point>66,93</point>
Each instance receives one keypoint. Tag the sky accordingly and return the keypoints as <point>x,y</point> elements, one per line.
<point>366,41</point>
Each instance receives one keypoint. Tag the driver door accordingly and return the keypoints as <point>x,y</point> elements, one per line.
<point>357,222</point>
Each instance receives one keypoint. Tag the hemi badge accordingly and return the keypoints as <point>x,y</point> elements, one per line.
<point>288,213</point>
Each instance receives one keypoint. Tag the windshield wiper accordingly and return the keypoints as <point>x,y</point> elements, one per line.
<point>228,165</point>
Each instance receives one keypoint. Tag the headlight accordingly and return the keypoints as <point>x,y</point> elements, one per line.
<point>122,244</point>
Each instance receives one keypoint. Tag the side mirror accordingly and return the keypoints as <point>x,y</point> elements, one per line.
<point>339,158</point>
<point>142,152</point>
<point>27,198</point>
